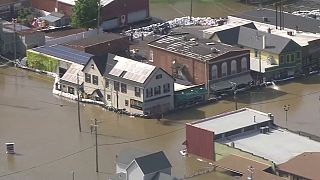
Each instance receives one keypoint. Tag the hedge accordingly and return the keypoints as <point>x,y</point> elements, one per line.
<point>41,62</point>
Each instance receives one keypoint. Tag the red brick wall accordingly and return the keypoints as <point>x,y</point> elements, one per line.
<point>47,5</point>
<point>123,7</point>
<point>200,142</point>
<point>196,69</point>
<point>65,8</point>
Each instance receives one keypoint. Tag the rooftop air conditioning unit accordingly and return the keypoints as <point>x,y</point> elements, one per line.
<point>290,33</point>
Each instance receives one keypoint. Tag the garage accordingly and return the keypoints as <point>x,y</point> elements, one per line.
<point>137,16</point>
<point>110,24</point>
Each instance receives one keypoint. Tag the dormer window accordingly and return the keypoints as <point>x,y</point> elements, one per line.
<point>92,66</point>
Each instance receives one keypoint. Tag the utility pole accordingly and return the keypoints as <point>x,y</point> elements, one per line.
<point>235,99</point>
<point>191,10</point>
<point>72,175</point>
<point>98,18</point>
<point>78,100</point>
<point>95,125</point>
<point>14,20</point>
<point>286,109</point>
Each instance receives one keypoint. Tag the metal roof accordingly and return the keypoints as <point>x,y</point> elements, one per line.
<point>131,70</point>
<point>232,120</point>
<point>65,53</point>
<point>50,18</point>
<point>126,156</point>
<point>71,74</point>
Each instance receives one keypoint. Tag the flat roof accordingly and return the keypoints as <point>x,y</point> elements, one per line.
<point>73,2</point>
<point>279,145</point>
<point>100,38</point>
<point>187,45</point>
<point>64,32</point>
<point>232,120</point>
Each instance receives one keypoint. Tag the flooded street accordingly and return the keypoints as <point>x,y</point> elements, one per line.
<point>49,146</point>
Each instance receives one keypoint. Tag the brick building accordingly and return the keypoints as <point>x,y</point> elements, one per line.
<point>201,61</point>
<point>101,44</point>
<point>8,8</point>
<point>114,13</point>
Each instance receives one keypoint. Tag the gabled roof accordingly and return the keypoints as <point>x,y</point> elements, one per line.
<point>127,155</point>
<point>71,74</point>
<point>153,162</point>
<point>304,165</point>
<point>290,21</point>
<point>253,39</point>
<point>65,53</point>
<point>129,71</point>
<point>102,62</point>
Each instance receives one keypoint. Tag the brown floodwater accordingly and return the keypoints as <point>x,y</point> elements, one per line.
<point>44,128</point>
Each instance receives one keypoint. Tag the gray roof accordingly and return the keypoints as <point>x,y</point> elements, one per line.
<point>153,162</point>
<point>126,156</point>
<point>129,71</point>
<point>50,18</point>
<point>186,45</point>
<point>252,38</point>
<point>290,21</point>
<point>163,176</point>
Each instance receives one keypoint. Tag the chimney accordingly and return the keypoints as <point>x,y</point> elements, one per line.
<point>254,119</point>
<point>263,42</point>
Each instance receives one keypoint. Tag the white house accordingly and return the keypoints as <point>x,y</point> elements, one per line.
<point>138,87</point>
<point>142,166</point>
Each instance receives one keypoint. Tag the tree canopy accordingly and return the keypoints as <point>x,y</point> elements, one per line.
<point>85,13</point>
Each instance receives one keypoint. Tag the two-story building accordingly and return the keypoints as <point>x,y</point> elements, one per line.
<point>201,61</point>
<point>127,84</point>
<point>271,56</point>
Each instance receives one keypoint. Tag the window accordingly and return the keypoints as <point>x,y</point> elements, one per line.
<point>166,88</point>
<point>214,72</point>
<point>135,104</point>
<point>233,67</point>
<point>126,102</point>
<point>224,69</point>
<point>292,57</point>
<point>159,76</point>
<point>157,90</point>
<point>244,64</point>
<point>123,88</point>
<point>137,92</point>
<point>70,90</point>
<point>87,78</point>
<point>116,86</point>
<point>151,56</point>
<point>298,55</point>
<point>107,83</point>
<point>108,97</point>
<point>256,53</point>
<point>149,92</point>
<point>92,66</point>
<point>288,58</point>
<point>95,80</point>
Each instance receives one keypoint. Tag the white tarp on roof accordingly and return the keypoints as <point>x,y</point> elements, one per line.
<point>131,70</point>
<point>71,74</point>
<point>73,2</point>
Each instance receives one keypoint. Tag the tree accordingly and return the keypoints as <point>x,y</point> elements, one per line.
<point>26,16</point>
<point>85,13</point>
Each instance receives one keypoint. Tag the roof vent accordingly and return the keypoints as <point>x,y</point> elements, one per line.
<point>269,30</point>
<point>214,50</point>
<point>290,33</point>
<point>210,43</point>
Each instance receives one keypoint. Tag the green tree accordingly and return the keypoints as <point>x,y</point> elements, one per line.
<point>25,16</point>
<point>85,13</point>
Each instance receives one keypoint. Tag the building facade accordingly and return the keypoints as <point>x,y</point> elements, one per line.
<point>114,13</point>
<point>201,61</point>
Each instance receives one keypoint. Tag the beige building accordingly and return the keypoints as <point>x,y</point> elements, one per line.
<point>129,85</point>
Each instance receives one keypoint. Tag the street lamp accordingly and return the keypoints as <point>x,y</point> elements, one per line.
<point>286,109</point>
